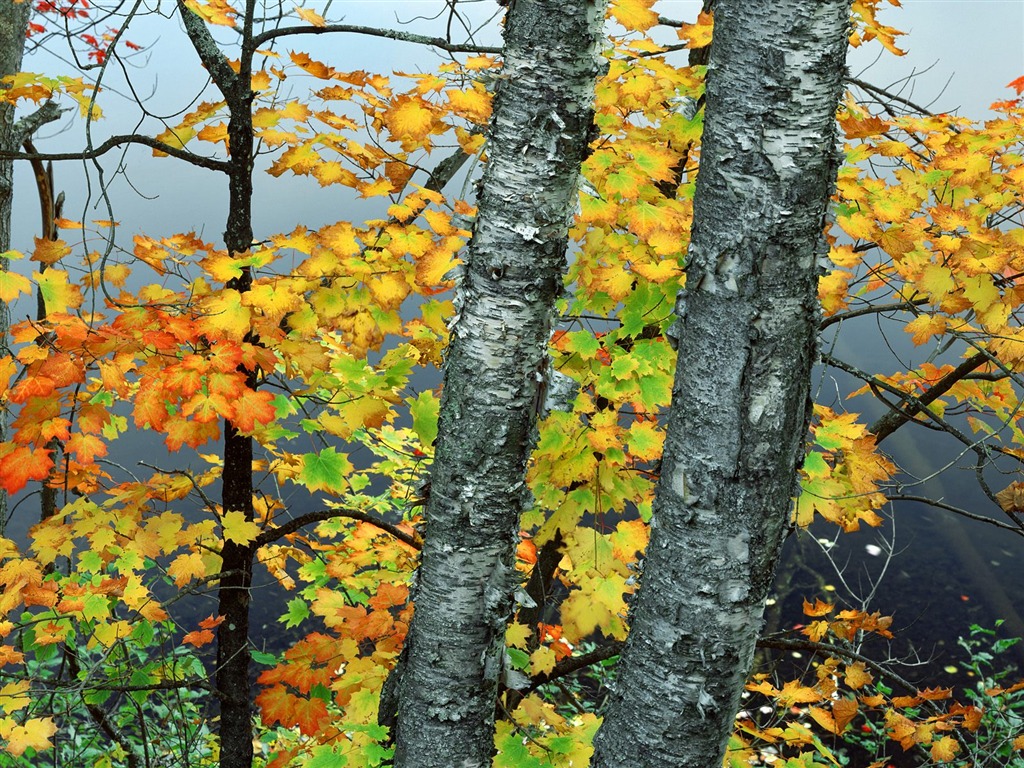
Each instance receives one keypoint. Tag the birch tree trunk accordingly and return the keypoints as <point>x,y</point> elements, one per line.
<point>14,15</point>
<point>736,429</point>
<point>496,361</point>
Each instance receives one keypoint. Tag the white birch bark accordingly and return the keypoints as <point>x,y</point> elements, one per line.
<point>497,355</point>
<point>736,429</point>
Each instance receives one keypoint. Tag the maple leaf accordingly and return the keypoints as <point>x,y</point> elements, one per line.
<point>253,407</point>
<point>410,118</point>
<point>310,16</point>
<point>217,12</point>
<point>225,315</point>
<point>237,529</point>
<point>198,638</point>
<point>308,64</point>
<point>13,285</point>
<point>34,734</point>
<point>634,14</point>
<point>186,567</point>
<point>58,294</point>
<point>49,251</point>
<point>945,749</point>
<point>181,431</point>
<point>86,448</point>
<point>324,471</point>
<point>21,464</point>
<point>279,706</point>
<point>843,711</point>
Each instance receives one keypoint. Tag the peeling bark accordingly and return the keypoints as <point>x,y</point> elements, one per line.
<point>736,430</point>
<point>495,364</point>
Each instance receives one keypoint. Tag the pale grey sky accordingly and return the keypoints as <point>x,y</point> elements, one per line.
<point>961,53</point>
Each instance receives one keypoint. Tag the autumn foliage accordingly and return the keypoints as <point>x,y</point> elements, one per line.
<point>155,337</point>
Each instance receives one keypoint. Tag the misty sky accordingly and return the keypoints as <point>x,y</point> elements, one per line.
<point>961,55</point>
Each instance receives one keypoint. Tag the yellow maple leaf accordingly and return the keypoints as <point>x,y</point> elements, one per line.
<point>58,294</point>
<point>857,675</point>
<point>13,285</point>
<point>658,272</point>
<point>295,110</point>
<point>214,133</point>
<point>634,15</point>
<point>332,172</point>
<point>316,68</point>
<point>517,635</point>
<point>389,289</point>
<point>14,696</point>
<point>49,251</point>
<point>224,315</point>
<point>473,104</point>
<point>542,660</point>
<point>699,33</point>
<point>238,529</point>
<point>409,118</point>
<point>432,266</point>
<point>945,749</point>
<point>186,567</point>
<point>217,12</point>
<point>34,734</point>
<point>377,188</point>
<point>937,281</point>
<point>923,327</point>
<point>310,17</point>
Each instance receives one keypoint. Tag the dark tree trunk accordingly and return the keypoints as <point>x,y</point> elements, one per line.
<point>233,656</point>
<point>14,18</point>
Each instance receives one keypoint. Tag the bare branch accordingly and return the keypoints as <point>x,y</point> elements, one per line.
<point>29,124</point>
<point>118,141</point>
<point>874,309</point>
<point>209,52</point>
<point>301,521</point>
<point>887,424</point>
<point>957,510</point>
<point>390,34</point>
<point>783,644</point>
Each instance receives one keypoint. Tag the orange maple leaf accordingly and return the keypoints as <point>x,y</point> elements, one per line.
<point>20,464</point>
<point>278,705</point>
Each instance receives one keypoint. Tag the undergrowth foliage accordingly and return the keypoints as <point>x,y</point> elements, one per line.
<point>308,342</point>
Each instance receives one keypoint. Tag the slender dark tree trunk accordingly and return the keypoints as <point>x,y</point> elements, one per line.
<point>14,18</point>
<point>736,430</point>
<point>495,366</point>
<point>233,656</point>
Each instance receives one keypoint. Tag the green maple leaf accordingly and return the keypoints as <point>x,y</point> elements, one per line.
<point>325,471</point>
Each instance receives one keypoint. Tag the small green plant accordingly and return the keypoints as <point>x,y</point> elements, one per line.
<point>117,706</point>
<point>991,730</point>
<point>998,739</point>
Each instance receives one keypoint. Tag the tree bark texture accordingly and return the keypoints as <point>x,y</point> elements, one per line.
<point>14,16</point>
<point>496,361</point>
<point>234,591</point>
<point>738,420</point>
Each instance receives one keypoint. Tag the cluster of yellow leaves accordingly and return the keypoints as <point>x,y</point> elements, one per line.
<point>843,473</point>
<point>39,88</point>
